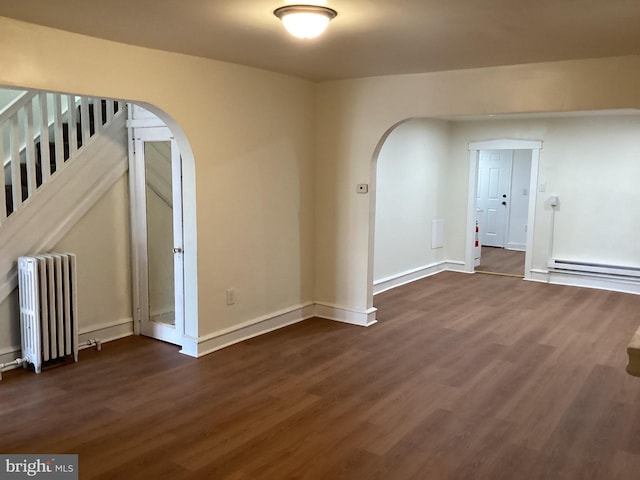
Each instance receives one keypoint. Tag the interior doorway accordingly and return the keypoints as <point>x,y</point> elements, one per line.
<point>502,201</point>
<point>503,176</point>
<point>157,229</point>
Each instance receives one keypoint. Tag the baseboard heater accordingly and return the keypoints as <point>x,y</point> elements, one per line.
<point>570,266</point>
<point>47,288</point>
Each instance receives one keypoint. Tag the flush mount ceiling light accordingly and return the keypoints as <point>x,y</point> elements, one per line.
<point>305,21</point>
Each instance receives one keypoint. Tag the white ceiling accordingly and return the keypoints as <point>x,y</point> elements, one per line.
<point>369,37</point>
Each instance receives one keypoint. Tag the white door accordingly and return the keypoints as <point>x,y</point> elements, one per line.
<point>158,192</point>
<point>494,193</point>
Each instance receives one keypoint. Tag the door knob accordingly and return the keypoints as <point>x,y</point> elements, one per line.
<point>504,203</point>
<point>177,250</point>
<point>504,195</point>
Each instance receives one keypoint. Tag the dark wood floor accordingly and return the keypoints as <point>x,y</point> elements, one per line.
<point>464,377</point>
<point>501,260</point>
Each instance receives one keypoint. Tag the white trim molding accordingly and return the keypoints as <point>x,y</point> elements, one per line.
<point>9,354</point>
<point>104,332</point>
<point>190,346</point>
<point>249,329</point>
<point>586,280</point>
<point>362,318</point>
<point>393,281</point>
<point>415,274</point>
<point>593,281</point>
<point>108,331</point>
<point>198,347</point>
<point>537,275</point>
<point>456,266</point>
<point>506,144</point>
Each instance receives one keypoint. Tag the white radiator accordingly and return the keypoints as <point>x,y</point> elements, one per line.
<point>48,307</point>
<point>569,266</point>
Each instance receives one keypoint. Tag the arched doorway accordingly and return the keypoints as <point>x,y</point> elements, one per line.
<point>417,244</point>
<point>153,130</point>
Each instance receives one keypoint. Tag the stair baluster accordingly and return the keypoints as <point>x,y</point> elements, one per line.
<point>72,126</point>
<point>16,174</point>
<point>44,144</point>
<point>30,158</point>
<point>109,110</point>
<point>84,121</point>
<point>43,134</point>
<point>58,137</point>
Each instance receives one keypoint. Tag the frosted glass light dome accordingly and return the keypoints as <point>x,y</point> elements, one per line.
<point>305,21</point>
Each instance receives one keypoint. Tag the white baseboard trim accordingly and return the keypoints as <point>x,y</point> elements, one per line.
<point>105,332</point>
<point>9,354</point>
<point>585,280</point>
<point>521,247</point>
<point>252,328</point>
<point>362,318</point>
<point>189,346</point>
<point>592,281</point>
<point>198,347</point>
<point>537,275</point>
<point>108,331</point>
<point>455,266</point>
<point>409,276</point>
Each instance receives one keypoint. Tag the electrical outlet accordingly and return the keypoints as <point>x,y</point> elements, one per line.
<point>231,296</point>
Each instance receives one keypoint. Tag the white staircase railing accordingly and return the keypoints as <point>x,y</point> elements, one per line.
<point>39,133</point>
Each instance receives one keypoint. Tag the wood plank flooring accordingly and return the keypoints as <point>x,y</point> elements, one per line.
<point>463,377</point>
<point>501,260</point>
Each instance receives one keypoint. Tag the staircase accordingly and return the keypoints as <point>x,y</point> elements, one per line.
<point>60,153</point>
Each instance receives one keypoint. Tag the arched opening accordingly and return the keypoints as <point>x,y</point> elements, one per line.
<point>97,220</point>
<point>155,127</point>
<point>581,174</point>
<point>408,202</point>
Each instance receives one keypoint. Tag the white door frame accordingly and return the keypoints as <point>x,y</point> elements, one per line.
<point>474,153</point>
<point>139,135</point>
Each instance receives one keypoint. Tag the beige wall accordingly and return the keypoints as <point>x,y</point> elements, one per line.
<point>101,241</point>
<point>271,189</point>
<point>410,184</point>
<point>10,328</point>
<point>251,135</point>
<point>595,171</point>
<point>353,116</point>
